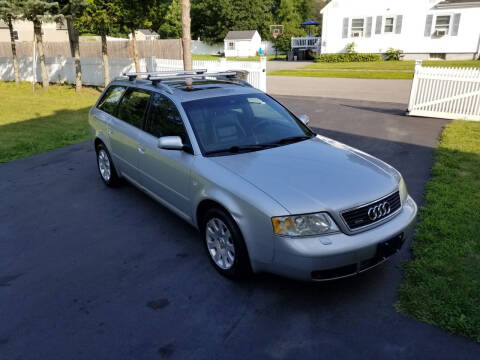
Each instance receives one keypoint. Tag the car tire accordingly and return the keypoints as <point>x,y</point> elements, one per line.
<point>225,245</point>
<point>105,167</point>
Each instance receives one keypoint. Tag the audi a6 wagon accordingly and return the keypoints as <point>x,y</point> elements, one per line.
<point>266,193</point>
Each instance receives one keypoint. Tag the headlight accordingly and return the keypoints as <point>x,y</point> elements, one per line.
<point>304,225</point>
<point>402,188</point>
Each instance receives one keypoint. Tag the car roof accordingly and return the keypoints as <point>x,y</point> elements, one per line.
<point>200,89</point>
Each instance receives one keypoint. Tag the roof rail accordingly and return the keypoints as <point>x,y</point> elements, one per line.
<point>133,75</point>
<point>202,75</point>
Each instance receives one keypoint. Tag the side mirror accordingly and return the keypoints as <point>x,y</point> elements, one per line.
<point>304,118</point>
<point>170,143</point>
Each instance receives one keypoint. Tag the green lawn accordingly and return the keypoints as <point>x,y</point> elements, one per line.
<point>251,58</point>
<point>442,281</point>
<point>33,122</point>
<point>369,74</point>
<point>369,70</point>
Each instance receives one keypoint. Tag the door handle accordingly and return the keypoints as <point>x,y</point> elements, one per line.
<point>141,150</point>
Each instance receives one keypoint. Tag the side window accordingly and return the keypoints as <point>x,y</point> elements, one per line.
<point>164,119</point>
<point>111,98</point>
<point>133,106</point>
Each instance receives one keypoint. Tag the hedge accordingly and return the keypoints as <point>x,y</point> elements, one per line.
<point>345,57</point>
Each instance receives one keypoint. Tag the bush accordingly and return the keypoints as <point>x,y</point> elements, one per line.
<point>345,57</point>
<point>393,54</point>
<point>351,48</point>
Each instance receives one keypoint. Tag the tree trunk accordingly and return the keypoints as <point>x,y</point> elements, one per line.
<point>186,36</point>
<point>135,51</point>
<point>14,51</point>
<point>37,28</point>
<point>106,66</point>
<point>75,50</point>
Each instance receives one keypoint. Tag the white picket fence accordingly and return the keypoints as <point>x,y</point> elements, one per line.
<point>61,69</point>
<point>448,93</point>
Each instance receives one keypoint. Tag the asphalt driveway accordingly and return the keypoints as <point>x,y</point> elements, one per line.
<point>87,272</point>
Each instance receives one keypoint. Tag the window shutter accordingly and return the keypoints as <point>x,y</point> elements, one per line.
<point>378,25</point>
<point>345,28</point>
<point>428,25</point>
<point>368,31</point>
<point>456,24</point>
<point>398,25</point>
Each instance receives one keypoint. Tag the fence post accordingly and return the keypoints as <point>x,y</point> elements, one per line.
<point>263,74</point>
<point>413,93</point>
<point>223,64</point>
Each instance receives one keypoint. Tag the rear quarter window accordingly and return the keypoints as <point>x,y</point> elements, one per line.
<point>110,100</point>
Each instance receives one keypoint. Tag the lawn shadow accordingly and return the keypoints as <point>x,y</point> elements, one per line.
<point>29,137</point>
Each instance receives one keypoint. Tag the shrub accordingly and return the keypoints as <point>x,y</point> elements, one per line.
<point>393,54</point>
<point>345,57</point>
<point>351,48</point>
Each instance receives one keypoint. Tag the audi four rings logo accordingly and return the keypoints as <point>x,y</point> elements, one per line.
<point>379,211</point>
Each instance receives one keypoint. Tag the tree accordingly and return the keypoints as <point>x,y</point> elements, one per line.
<point>288,16</point>
<point>72,10</point>
<point>186,35</point>
<point>134,16</point>
<point>9,11</point>
<point>39,11</point>
<point>171,26</point>
<point>101,16</point>
<point>212,19</point>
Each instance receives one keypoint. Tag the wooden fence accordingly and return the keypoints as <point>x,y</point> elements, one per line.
<point>164,49</point>
<point>448,93</point>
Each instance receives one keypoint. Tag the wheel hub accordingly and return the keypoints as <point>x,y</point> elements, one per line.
<point>220,243</point>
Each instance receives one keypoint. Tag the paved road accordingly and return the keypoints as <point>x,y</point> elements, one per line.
<point>87,272</point>
<point>394,91</point>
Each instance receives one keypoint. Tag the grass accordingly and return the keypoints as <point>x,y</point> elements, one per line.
<point>251,58</point>
<point>344,74</point>
<point>369,70</point>
<point>442,281</point>
<point>33,122</point>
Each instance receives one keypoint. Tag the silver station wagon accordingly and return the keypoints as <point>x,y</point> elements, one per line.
<point>266,193</point>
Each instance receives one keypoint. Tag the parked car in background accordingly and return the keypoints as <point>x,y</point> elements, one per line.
<point>265,191</point>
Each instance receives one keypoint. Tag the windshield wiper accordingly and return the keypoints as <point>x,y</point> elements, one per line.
<point>241,148</point>
<point>291,139</point>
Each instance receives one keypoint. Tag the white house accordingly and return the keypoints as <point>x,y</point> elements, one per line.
<point>144,34</point>
<point>422,29</point>
<point>23,31</point>
<point>242,43</point>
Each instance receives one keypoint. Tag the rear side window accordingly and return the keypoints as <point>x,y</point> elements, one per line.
<point>164,119</point>
<point>133,106</point>
<point>111,99</point>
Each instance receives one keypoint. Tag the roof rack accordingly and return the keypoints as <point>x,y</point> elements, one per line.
<point>160,78</point>
<point>133,75</point>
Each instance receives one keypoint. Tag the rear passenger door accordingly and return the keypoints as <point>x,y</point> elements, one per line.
<point>166,172</point>
<point>125,132</point>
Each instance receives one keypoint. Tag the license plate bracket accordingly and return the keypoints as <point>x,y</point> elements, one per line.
<point>390,247</point>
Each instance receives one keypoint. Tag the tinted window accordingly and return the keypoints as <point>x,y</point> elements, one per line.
<point>164,119</point>
<point>111,98</point>
<point>133,106</point>
<point>241,120</point>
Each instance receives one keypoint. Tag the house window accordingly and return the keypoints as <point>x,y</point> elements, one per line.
<point>231,45</point>
<point>358,26</point>
<point>389,25</point>
<point>442,25</point>
<point>3,25</point>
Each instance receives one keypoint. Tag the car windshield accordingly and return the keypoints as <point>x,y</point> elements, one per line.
<point>241,123</point>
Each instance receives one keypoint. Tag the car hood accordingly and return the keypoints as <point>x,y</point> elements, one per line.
<point>319,174</point>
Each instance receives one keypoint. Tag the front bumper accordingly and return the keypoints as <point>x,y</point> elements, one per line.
<point>340,255</point>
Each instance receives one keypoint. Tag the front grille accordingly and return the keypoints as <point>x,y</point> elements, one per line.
<point>359,217</point>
